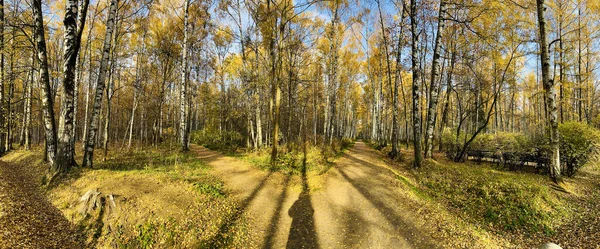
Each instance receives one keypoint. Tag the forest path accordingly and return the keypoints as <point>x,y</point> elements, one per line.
<point>27,218</point>
<point>358,205</point>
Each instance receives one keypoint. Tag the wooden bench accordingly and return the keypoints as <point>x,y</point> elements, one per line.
<point>482,155</point>
<point>511,160</point>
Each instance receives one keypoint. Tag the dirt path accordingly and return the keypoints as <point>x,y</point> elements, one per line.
<point>358,205</point>
<point>27,218</point>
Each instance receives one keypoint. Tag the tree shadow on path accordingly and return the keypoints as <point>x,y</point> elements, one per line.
<point>381,198</point>
<point>302,232</point>
<point>221,237</point>
<point>274,223</point>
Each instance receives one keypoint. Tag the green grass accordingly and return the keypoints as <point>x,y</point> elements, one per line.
<point>290,162</point>
<point>493,198</point>
<point>214,189</point>
<point>413,188</point>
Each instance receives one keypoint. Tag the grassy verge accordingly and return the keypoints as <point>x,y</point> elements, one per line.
<point>505,208</point>
<point>291,159</point>
<point>493,198</point>
<point>162,199</point>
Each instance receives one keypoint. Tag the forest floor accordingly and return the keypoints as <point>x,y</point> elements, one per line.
<point>205,199</point>
<point>358,203</point>
<point>27,218</point>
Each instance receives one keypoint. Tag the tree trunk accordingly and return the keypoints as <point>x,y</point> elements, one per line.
<point>333,74</point>
<point>275,90</point>
<point>11,90</point>
<point>87,93</point>
<point>416,93</point>
<point>109,95</point>
<point>94,120</point>
<point>2,99</point>
<point>579,61</point>
<point>81,19</point>
<point>550,94</point>
<point>46,93</point>
<point>434,86</point>
<point>28,95</point>
<point>394,152</point>
<point>397,83</point>
<point>449,87</point>
<point>72,39</point>
<point>136,90</point>
<point>184,84</point>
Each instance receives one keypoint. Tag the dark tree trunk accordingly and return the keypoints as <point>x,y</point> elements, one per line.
<point>416,92</point>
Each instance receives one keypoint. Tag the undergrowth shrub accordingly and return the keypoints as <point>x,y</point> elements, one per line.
<point>450,144</point>
<point>218,140</point>
<point>579,143</point>
<point>502,141</point>
<point>291,158</point>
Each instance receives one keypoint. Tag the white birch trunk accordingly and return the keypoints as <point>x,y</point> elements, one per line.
<point>94,120</point>
<point>550,94</point>
<point>434,86</point>
<point>183,120</point>
<point>46,93</point>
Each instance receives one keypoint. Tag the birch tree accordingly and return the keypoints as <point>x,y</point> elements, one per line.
<point>90,142</point>
<point>434,86</point>
<point>72,36</point>
<point>416,92</point>
<point>46,93</point>
<point>2,116</point>
<point>550,94</point>
<point>183,121</point>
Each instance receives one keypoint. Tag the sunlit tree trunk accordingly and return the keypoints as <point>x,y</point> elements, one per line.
<point>94,120</point>
<point>136,89</point>
<point>73,31</point>
<point>257,102</point>
<point>88,92</point>
<point>184,84</point>
<point>46,93</point>
<point>110,91</point>
<point>28,95</point>
<point>2,97</point>
<point>81,19</point>
<point>550,94</point>
<point>434,86</point>
<point>333,73</point>
<point>578,92</point>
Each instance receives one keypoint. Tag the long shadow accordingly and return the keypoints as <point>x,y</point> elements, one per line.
<point>407,230</point>
<point>218,240</point>
<point>302,232</point>
<point>274,224</point>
